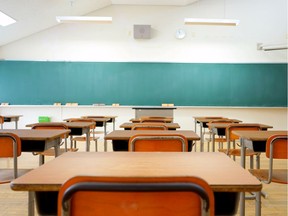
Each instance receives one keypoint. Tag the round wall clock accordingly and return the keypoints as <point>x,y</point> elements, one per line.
<point>180,34</point>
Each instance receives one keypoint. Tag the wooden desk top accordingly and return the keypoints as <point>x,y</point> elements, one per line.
<point>90,116</point>
<point>98,119</point>
<point>258,135</point>
<point>169,125</point>
<point>69,124</point>
<point>166,119</point>
<point>225,125</point>
<point>11,116</point>
<point>221,173</point>
<point>27,134</point>
<point>206,120</point>
<point>126,134</point>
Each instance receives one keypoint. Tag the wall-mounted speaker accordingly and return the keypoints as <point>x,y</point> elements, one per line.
<point>142,31</point>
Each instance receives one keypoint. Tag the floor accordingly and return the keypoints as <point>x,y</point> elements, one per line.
<point>14,203</point>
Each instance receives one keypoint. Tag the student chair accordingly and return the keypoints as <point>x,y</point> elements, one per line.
<point>141,196</point>
<point>276,149</point>
<point>10,145</point>
<point>149,126</point>
<point>158,143</point>
<point>83,138</point>
<point>231,138</point>
<point>221,137</point>
<point>51,152</point>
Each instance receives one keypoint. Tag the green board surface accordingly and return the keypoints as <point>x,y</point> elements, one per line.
<point>135,83</point>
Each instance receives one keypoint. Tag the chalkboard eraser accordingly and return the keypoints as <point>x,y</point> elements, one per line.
<point>57,104</point>
<point>4,104</point>
<point>167,105</point>
<point>115,104</point>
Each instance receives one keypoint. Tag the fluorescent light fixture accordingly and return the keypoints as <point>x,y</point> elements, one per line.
<point>6,20</point>
<point>200,21</point>
<point>271,47</point>
<point>83,19</point>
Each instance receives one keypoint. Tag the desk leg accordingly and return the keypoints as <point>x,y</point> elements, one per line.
<point>88,141</point>
<point>258,204</point>
<point>105,145</point>
<point>31,203</point>
<point>201,138</point>
<point>213,141</point>
<point>243,150</point>
<point>16,124</point>
<point>242,204</point>
<point>105,128</point>
<point>113,120</point>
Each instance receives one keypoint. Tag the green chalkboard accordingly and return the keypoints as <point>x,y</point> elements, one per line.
<point>130,83</point>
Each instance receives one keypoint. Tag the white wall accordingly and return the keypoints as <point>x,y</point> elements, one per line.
<point>261,21</point>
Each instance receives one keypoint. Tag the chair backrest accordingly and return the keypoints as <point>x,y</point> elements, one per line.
<point>143,120</point>
<point>129,196</point>
<point>220,121</point>
<point>1,119</point>
<point>238,127</point>
<point>53,126</point>
<point>10,145</point>
<point>149,126</point>
<point>92,127</point>
<point>158,143</point>
<point>276,148</point>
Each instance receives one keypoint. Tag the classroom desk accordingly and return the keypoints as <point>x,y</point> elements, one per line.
<point>76,129</point>
<point>99,120</point>
<point>38,140</point>
<point>138,120</point>
<point>11,118</point>
<point>45,181</point>
<point>220,130</point>
<point>171,126</point>
<point>255,140</point>
<point>120,138</point>
<point>203,124</point>
<point>103,123</point>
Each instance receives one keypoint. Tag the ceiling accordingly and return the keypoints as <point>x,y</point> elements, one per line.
<point>33,16</point>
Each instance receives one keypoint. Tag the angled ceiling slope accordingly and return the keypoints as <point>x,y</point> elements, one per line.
<point>154,2</point>
<point>33,16</point>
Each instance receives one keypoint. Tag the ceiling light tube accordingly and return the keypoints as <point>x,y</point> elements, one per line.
<point>6,20</point>
<point>223,22</point>
<point>271,47</point>
<point>83,19</point>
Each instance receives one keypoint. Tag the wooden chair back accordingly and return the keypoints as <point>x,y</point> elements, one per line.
<point>156,119</point>
<point>238,127</point>
<point>149,126</point>
<point>130,196</point>
<point>158,143</point>
<point>220,121</point>
<point>92,127</point>
<point>277,148</point>
<point>53,126</point>
<point>10,146</point>
<point>1,121</point>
